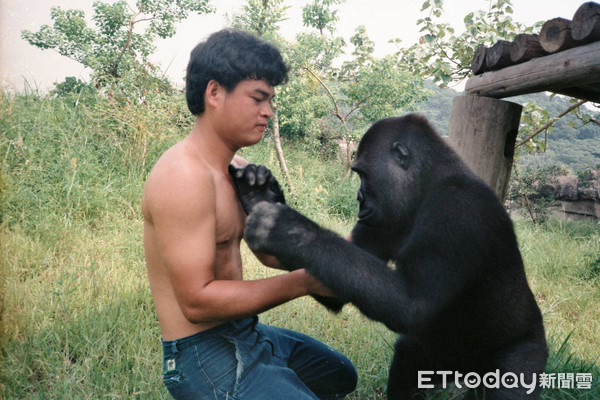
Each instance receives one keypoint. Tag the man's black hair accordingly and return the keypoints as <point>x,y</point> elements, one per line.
<point>230,56</point>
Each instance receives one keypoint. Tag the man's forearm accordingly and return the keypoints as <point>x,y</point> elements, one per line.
<point>222,300</point>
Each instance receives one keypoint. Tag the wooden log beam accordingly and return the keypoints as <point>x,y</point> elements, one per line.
<point>526,46</point>
<point>478,65</point>
<point>498,56</point>
<point>576,67</point>
<point>483,132</point>
<point>555,35</point>
<point>585,26</point>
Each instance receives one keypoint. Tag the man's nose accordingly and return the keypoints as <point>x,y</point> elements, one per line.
<point>267,111</point>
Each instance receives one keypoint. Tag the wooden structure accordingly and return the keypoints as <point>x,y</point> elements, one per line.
<point>564,58</point>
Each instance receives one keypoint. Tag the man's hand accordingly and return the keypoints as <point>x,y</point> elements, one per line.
<point>255,183</point>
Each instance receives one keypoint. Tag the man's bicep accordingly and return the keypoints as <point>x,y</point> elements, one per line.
<point>185,229</point>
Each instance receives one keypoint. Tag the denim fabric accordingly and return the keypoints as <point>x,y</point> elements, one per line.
<point>248,360</point>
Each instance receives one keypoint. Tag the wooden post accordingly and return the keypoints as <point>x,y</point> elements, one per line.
<point>483,132</point>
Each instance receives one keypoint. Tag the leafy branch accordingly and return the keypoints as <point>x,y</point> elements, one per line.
<point>551,122</point>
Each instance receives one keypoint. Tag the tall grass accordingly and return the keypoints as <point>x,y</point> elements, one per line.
<point>77,316</point>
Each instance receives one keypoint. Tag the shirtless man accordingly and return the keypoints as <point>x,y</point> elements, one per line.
<point>213,345</point>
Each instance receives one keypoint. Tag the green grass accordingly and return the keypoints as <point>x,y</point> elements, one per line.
<point>78,319</point>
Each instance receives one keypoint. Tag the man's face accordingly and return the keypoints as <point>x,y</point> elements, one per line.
<point>246,111</point>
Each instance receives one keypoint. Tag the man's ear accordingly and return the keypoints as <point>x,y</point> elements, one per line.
<point>213,92</point>
<point>401,154</point>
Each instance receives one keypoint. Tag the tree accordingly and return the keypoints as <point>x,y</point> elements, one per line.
<point>319,15</point>
<point>303,105</point>
<point>261,17</point>
<point>445,56</point>
<point>365,89</point>
<point>113,47</point>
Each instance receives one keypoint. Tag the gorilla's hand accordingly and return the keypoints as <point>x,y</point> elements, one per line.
<point>278,230</point>
<point>255,183</point>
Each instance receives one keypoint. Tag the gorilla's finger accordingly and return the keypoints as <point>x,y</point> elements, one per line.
<point>237,172</point>
<point>262,174</point>
<point>250,174</point>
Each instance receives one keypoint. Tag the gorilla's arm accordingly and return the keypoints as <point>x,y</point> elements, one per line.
<point>353,274</point>
<point>371,240</point>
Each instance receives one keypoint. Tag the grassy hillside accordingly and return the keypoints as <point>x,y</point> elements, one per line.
<point>77,316</point>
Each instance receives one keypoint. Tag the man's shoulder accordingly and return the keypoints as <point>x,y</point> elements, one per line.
<point>178,179</point>
<point>176,167</point>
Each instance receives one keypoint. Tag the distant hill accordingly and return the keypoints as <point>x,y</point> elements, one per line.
<point>570,143</point>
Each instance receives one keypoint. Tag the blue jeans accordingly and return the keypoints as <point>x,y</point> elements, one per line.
<point>247,360</point>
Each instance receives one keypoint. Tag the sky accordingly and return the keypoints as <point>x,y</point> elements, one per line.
<point>22,64</point>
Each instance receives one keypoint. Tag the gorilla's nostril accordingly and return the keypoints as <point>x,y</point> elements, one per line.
<point>360,197</point>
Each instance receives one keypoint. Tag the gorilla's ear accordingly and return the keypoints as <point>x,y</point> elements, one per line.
<point>401,154</point>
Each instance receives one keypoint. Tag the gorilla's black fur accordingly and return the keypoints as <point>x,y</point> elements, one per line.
<point>458,292</point>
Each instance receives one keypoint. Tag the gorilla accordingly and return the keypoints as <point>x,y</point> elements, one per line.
<point>456,290</point>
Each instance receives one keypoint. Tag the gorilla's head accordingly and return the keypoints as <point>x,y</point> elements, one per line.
<point>396,162</point>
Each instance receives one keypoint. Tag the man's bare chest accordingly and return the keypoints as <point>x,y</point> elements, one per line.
<point>230,217</point>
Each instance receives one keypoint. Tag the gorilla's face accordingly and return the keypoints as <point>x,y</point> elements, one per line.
<point>388,169</point>
<point>376,196</point>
